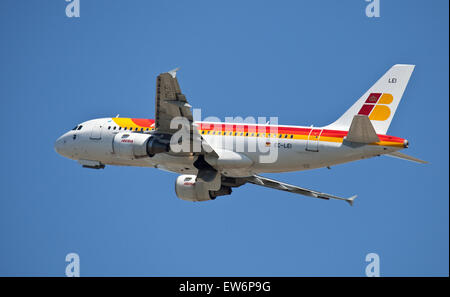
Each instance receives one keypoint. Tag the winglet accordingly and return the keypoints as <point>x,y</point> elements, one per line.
<point>351,199</point>
<point>173,72</point>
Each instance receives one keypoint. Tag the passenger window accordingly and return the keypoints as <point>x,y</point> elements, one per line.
<point>125,128</point>
<point>109,128</point>
<point>285,135</point>
<point>114,128</point>
<point>120,128</point>
<point>136,129</point>
<point>203,132</point>
<point>292,136</point>
<point>142,129</point>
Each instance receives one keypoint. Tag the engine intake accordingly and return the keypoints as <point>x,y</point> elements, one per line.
<point>188,188</point>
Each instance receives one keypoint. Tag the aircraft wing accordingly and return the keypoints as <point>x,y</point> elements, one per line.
<point>270,183</point>
<point>405,157</point>
<point>170,103</point>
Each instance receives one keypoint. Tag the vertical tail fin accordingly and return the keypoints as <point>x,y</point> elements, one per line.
<point>380,102</point>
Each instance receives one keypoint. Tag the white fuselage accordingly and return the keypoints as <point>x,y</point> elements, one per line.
<point>240,154</point>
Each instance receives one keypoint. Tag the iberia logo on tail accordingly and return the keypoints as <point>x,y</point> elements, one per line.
<point>376,106</point>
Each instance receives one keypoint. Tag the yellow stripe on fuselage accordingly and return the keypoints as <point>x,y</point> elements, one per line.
<point>128,123</point>
<point>296,137</point>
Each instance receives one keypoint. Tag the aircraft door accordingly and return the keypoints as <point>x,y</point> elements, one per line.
<point>313,140</point>
<point>96,133</point>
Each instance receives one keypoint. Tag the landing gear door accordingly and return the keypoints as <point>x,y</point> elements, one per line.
<point>96,132</point>
<point>313,140</point>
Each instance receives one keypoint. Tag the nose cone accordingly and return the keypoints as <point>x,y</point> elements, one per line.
<point>60,145</point>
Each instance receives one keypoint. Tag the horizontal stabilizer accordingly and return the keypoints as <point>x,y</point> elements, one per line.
<point>361,130</point>
<point>405,157</point>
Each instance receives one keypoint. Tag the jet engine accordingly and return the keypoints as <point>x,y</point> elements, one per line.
<point>138,145</point>
<point>188,187</point>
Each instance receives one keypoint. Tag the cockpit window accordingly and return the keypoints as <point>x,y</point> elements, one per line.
<point>79,128</point>
<point>76,127</point>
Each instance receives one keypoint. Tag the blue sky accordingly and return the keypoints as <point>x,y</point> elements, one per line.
<point>303,61</point>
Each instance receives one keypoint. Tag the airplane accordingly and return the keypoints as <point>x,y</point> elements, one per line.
<point>210,165</point>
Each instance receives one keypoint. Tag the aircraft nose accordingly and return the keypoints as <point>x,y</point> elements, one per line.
<point>59,145</point>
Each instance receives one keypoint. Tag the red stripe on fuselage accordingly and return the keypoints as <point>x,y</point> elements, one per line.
<point>284,130</point>
<point>268,129</point>
<point>143,122</point>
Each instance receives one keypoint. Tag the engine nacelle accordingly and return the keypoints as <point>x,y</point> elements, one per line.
<point>188,188</point>
<point>156,146</point>
<point>138,145</point>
